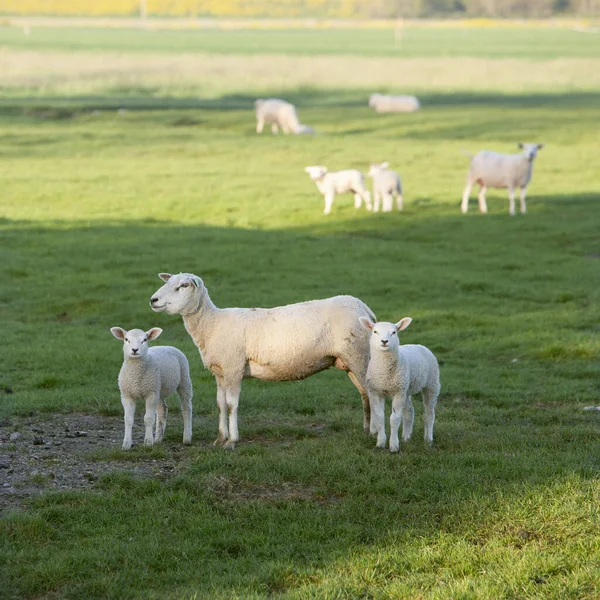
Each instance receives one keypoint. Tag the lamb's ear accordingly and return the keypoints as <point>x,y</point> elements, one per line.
<point>118,332</point>
<point>366,323</point>
<point>520,145</point>
<point>540,146</point>
<point>384,165</point>
<point>403,323</point>
<point>153,333</point>
<point>165,276</point>
<point>196,281</point>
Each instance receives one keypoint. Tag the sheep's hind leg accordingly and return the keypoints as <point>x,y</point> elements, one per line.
<point>481,198</point>
<point>150,418</point>
<point>223,435</point>
<point>408,419</point>
<point>232,393</point>
<point>162,410</point>
<point>430,396</point>
<point>522,199</point>
<point>185,400</point>
<point>274,129</point>
<point>399,202</point>
<point>398,403</point>
<point>464,207</point>
<point>259,126</point>
<point>357,200</point>
<point>368,423</point>
<point>511,201</point>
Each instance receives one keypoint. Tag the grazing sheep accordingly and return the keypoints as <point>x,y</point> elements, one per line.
<point>339,182</point>
<point>274,344</point>
<point>386,185</point>
<point>277,113</point>
<point>491,169</point>
<point>152,374</point>
<point>400,371</point>
<point>385,103</point>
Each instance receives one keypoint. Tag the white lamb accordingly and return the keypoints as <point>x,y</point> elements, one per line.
<point>152,374</point>
<point>399,372</point>
<point>274,344</point>
<point>339,182</point>
<point>384,103</point>
<point>277,113</point>
<point>386,185</point>
<point>491,169</point>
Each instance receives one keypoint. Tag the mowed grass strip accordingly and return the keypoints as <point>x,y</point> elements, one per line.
<point>504,505</point>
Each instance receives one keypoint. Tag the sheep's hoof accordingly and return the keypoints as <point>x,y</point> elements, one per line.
<point>394,449</point>
<point>229,444</point>
<point>187,442</point>
<point>219,441</point>
<point>380,444</point>
<point>126,447</point>
<point>148,443</point>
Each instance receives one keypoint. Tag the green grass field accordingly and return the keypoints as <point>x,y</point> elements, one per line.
<point>95,202</point>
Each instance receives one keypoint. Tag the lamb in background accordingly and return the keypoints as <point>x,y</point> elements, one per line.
<point>279,113</point>
<point>400,371</point>
<point>339,182</point>
<point>274,344</point>
<point>152,374</point>
<point>386,103</point>
<point>491,169</point>
<point>386,185</point>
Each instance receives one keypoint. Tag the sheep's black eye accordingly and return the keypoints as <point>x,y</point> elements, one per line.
<point>393,333</point>
<point>145,340</point>
<point>376,332</point>
<point>127,340</point>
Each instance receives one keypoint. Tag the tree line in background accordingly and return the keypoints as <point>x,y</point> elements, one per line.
<point>305,8</point>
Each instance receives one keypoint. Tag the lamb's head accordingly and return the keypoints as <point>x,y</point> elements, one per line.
<point>530,150</point>
<point>316,172</point>
<point>373,99</point>
<point>377,168</point>
<point>258,103</point>
<point>305,130</point>
<point>181,294</point>
<point>135,341</point>
<point>384,336</point>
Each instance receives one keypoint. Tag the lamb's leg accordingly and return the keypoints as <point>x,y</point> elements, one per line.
<point>222,404</point>
<point>162,410</point>
<point>408,418</point>
<point>368,423</point>
<point>511,201</point>
<point>259,126</point>
<point>357,200</point>
<point>232,393</point>
<point>328,203</point>
<point>367,198</point>
<point>399,202</point>
<point>129,408</point>
<point>376,199</point>
<point>378,417</point>
<point>430,396</point>
<point>274,129</point>
<point>464,207</point>
<point>398,403</point>
<point>481,198</point>
<point>388,203</point>
<point>150,418</point>
<point>185,400</point>
<point>522,199</point>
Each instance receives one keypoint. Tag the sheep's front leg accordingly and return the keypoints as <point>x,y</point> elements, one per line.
<point>185,393</point>
<point>376,200</point>
<point>259,126</point>
<point>388,203</point>
<point>522,199</point>
<point>481,198</point>
<point>129,408</point>
<point>274,129</point>
<point>328,203</point>
<point>511,201</point>
<point>357,200</point>
<point>222,405</point>
<point>367,199</point>
<point>150,418</point>
<point>429,402</point>
<point>378,417</point>
<point>408,419</point>
<point>232,394</point>
<point>399,202</point>
<point>464,207</point>
<point>398,403</point>
<point>162,410</point>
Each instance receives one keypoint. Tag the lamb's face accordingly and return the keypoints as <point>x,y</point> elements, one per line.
<point>384,336</point>
<point>530,150</point>
<point>179,295</point>
<point>316,172</point>
<point>135,341</point>
<point>373,100</point>
<point>377,168</point>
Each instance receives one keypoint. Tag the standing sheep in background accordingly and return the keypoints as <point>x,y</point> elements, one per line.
<point>400,372</point>
<point>279,113</point>
<point>152,374</point>
<point>339,182</point>
<point>285,343</point>
<point>385,103</point>
<point>386,185</point>
<point>491,169</point>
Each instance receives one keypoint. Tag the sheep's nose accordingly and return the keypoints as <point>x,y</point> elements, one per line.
<point>134,350</point>
<point>153,300</point>
<point>384,342</point>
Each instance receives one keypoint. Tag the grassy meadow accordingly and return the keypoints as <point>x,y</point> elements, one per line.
<point>125,154</point>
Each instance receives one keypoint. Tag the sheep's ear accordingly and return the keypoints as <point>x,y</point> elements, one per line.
<point>165,276</point>
<point>540,146</point>
<point>153,333</point>
<point>118,332</point>
<point>520,145</point>
<point>366,323</point>
<point>384,165</point>
<point>403,323</point>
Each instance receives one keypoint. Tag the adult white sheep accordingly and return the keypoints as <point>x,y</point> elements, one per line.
<point>400,372</point>
<point>152,374</point>
<point>339,182</point>
<point>386,185</point>
<point>385,103</point>
<point>277,113</point>
<point>274,344</point>
<point>491,169</point>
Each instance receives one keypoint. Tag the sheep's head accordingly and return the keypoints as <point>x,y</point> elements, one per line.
<point>135,341</point>
<point>179,296</point>
<point>530,150</point>
<point>377,168</point>
<point>384,336</point>
<point>373,98</point>
<point>316,172</point>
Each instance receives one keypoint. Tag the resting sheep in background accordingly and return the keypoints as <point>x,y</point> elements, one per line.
<point>152,374</point>
<point>339,182</point>
<point>491,169</point>
<point>385,103</point>
<point>386,185</point>
<point>274,344</point>
<point>279,113</point>
<point>400,372</point>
